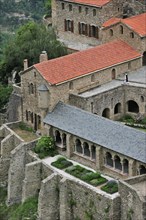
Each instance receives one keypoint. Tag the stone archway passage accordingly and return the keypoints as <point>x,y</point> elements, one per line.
<point>132,106</point>
<point>117,108</point>
<point>106,113</point>
<point>144,59</point>
<point>142,170</point>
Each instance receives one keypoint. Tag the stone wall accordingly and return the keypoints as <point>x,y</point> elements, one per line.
<point>137,42</point>
<point>133,205</point>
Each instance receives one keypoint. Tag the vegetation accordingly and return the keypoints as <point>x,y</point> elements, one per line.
<point>13,14</point>
<point>5,92</point>
<point>30,40</point>
<point>61,163</point>
<point>88,176</point>
<point>27,210</point>
<point>45,147</point>
<point>111,187</point>
<point>25,127</point>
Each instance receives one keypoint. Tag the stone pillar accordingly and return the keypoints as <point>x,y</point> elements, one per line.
<point>132,168</point>
<point>69,145</point>
<point>99,158</point>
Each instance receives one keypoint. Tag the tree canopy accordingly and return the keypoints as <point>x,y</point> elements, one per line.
<point>29,41</point>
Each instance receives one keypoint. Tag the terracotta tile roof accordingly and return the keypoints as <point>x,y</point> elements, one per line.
<point>111,21</point>
<point>136,23</point>
<point>97,3</point>
<point>71,66</point>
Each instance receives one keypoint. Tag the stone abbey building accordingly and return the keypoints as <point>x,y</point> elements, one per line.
<point>77,98</point>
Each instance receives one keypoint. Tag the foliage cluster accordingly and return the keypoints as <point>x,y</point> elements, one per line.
<point>15,13</point>
<point>111,187</point>
<point>5,92</point>
<point>30,40</point>
<point>45,147</point>
<point>88,176</point>
<point>62,163</point>
<point>27,210</point>
<point>25,127</point>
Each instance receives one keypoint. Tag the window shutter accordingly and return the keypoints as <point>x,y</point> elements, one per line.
<point>90,30</point>
<point>79,27</point>
<point>72,26</point>
<point>65,25</point>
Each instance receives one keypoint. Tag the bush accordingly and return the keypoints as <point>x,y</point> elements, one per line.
<point>143,121</point>
<point>62,163</point>
<point>45,147</point>
<point>127,118</point>
<point>111,187</point>
<point>96,182</point>
<point>25,127</point>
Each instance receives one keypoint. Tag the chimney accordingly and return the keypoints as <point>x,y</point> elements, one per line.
<point>25,64</point>
<point>43,56</point>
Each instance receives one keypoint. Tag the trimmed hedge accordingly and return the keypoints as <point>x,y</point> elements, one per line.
<point>61,163</point>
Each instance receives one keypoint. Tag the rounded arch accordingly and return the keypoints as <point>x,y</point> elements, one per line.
<point>113,73</point>
<point>64,139</point>
<point>86,149</point>
<point>111,32</point>
<point>144,59</point>
<point>142,169</point>
<point>78,146</point>
<point>125,166</point>
<point>108,159</point>
<point>106,113</point>
<point>132,106</point>
<point>118,164</point>
<point>57,137</point>
<point>93,152</point>
<point>117,108</point>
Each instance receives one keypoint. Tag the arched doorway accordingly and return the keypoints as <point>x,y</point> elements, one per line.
<point>144,59</point>
<point>117,108</point>
<point>106,113</point>
<point>108,159</point>
<point>132,106</point>
<point>142,170</point>
<point>57,137</point>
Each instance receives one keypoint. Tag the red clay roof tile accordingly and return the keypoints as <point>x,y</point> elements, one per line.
<point>97,3</point>
<point>71,66</point>
<point>137,23</point>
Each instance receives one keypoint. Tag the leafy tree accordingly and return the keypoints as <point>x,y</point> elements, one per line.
<point>30,40</point>
<point>5,92</point>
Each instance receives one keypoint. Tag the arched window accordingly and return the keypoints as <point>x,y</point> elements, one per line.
<point>26,115</point>
<point>31,117</point>
<point>39,121</point>
<point>70,7</point>
<point>142,170</point>
<point>80,9</point>
<point>57,137</point>
<point>121,29</point>
<point>94,12</point>
<point>86,10</point>
<point>106,113</point>
<point>86,149</point>
<point>64,139</point>
<point>31,89</point>
<point>131,34</point>
<point>62,4</point>
<point>132,106</point>
<point>118,164</point>
<point>117,108</point>
<point>93,152</point>
<point>125,166</point>
<point>113,73</point>
<point>108,159</point>
<point>111,32</point>
<point>78,146</point>
<point>71,86</point>
<point>142,98</point>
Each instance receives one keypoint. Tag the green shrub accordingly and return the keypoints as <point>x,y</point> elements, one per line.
<point>61,163</point>
<point>127,118</point>
<point>25,127</point>
<point>96,182</point>
<point>90,176</point>
<point>143,121</point>
<point>45,147</point>
<point>111,187</point>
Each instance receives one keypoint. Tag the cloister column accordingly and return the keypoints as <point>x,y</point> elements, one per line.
<point>132,168</point>
<point>99,158</point>
<point>69,145</point>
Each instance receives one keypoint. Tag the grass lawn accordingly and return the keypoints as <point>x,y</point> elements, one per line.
<point>25,135</point>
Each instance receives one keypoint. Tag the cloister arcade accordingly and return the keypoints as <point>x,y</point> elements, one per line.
<point>112,161</point>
